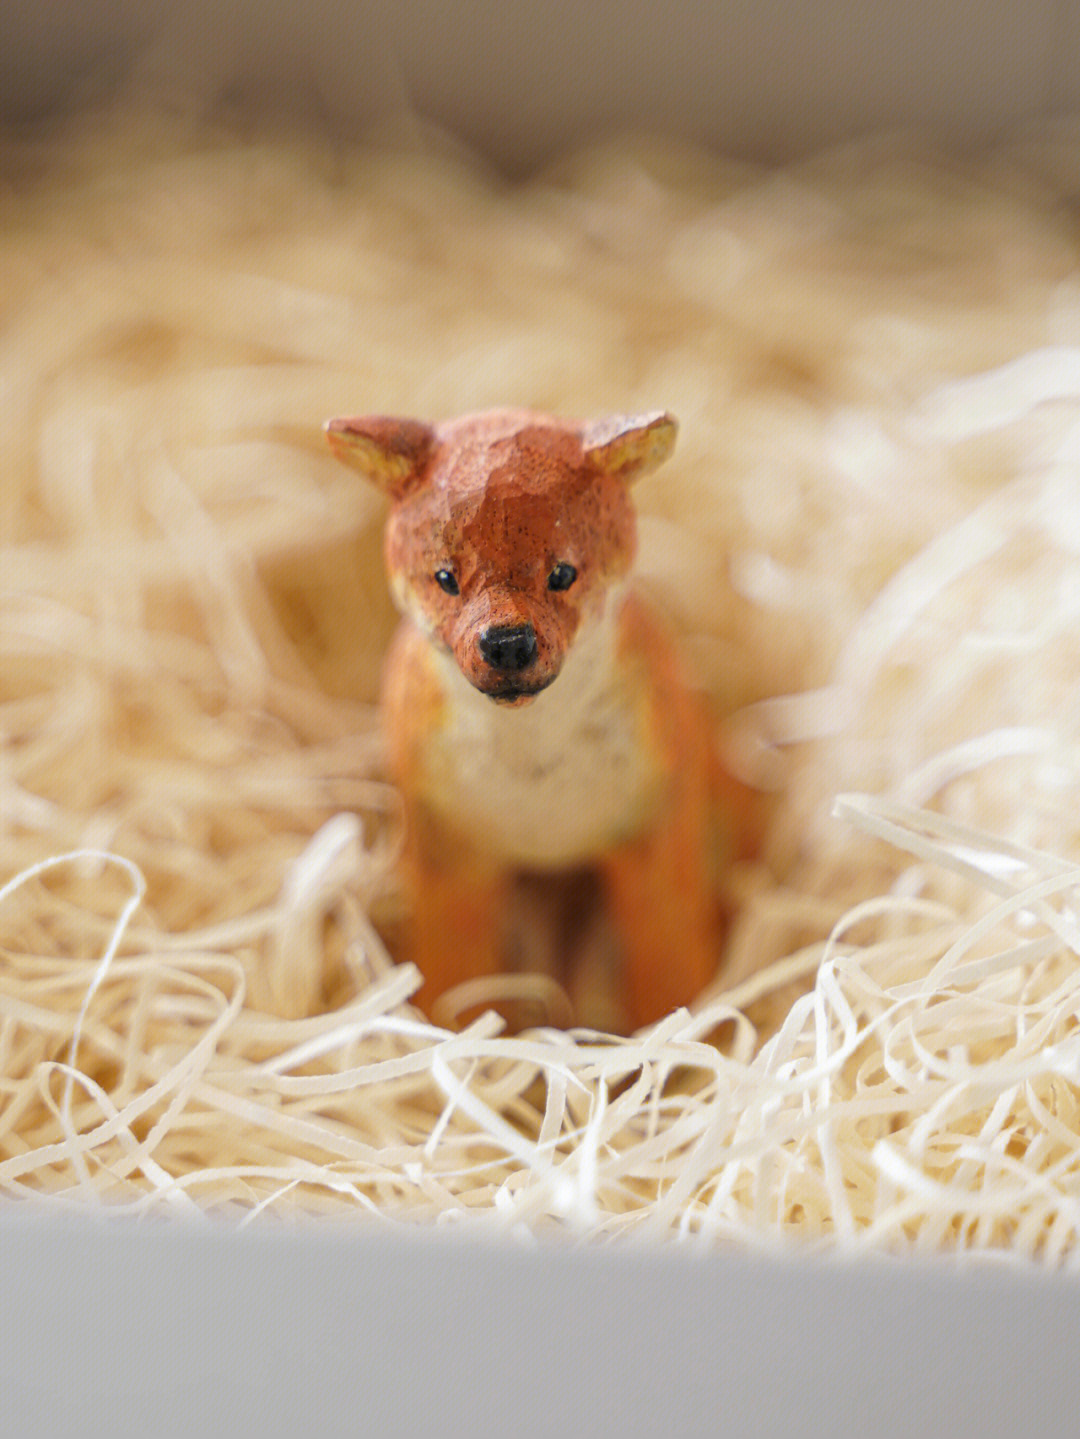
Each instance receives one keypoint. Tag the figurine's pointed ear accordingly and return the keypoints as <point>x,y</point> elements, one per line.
<point>389,452</point>
<point>630,445</point>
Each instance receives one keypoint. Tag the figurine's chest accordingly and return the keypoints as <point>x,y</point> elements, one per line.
<point>552,784</point>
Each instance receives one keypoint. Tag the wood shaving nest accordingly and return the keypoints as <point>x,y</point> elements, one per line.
<point>870,538</point>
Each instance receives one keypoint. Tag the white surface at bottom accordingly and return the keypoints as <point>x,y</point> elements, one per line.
<point>112,1329</point>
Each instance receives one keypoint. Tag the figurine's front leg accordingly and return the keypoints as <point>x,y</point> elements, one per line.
<point>661,898</point>
<point>457,899</point>
<point>661,885</point>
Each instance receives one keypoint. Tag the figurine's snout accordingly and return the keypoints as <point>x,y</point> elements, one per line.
<point>508,648</point>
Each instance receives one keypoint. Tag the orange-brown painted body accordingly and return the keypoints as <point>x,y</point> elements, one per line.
<point>537,715</point>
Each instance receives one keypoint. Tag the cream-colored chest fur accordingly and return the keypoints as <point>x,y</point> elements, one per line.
<point>556,782</point>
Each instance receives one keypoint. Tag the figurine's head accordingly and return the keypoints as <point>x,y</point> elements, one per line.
<point>507,529</point>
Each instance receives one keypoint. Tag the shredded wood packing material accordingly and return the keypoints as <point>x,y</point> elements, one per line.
<point>870,537</point>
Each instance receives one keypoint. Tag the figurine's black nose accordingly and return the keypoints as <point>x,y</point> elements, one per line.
<point>509,647</point>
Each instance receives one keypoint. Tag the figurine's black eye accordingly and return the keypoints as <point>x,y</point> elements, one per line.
<point>562,576</point>
<point>446,580</point>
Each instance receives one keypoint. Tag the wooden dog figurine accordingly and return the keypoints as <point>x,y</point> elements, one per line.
<point>536,713</point>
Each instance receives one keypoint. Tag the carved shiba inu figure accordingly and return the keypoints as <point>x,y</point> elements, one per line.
<point>536,713</point>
